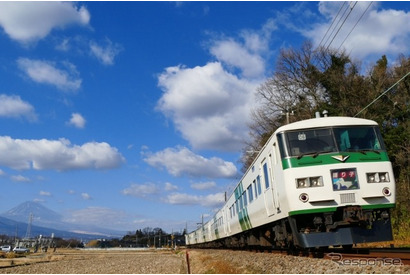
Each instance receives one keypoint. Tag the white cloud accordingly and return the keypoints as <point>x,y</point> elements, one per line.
<point>2,173</point>
<point>57,154</point>
<point>85,196</point>
<point>19,178</point>
<point>77,120</point>
<point>28,22</point>
<point>209,106</point>
<point>45,193</point>
<point>13,106</point>
<point>228,51</point>
<point>168,186</point>
<point>203,185</point>
<point>141,190</point>
<point>105,54</point>
<point>213,200</point>
<point>181,161</point>
<point>248,52</point>
<point>46,72</point>
<point>379,32</point>
<point>100,216</point>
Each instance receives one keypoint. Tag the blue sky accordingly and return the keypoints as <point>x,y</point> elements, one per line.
<point>133,114</point>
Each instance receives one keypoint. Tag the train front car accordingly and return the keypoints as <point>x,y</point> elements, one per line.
<point>339,181</point>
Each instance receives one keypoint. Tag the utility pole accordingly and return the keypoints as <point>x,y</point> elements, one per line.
<point>30,221</point>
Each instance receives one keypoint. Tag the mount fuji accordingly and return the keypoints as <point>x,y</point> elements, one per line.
<point>44,221</point>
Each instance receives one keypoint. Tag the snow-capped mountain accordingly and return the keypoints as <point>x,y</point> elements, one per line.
<point>41,215</point>
<point>43,218</point>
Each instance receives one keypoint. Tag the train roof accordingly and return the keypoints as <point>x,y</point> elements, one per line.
<point>325,121</point>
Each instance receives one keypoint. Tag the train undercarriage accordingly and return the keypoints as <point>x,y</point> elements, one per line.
<point>345,227</point>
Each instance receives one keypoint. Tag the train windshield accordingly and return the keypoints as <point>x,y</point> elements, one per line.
<point>333,139</point>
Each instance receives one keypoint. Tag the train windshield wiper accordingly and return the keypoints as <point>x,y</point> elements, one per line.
<point>314,154</point>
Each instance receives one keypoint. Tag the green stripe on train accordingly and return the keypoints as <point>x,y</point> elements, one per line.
<point>353,157</point>
<point>243,215</point>
<point>333,209</point>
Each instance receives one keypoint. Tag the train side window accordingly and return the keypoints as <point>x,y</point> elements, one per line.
<point>250,193</point>
<point>258,181</point>
<point>245,199</point>
<point>237,206</point>
<point>256,189</point>
<point>266,175</point>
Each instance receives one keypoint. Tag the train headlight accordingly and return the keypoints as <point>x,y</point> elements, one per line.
<point>384,177</point>
<point>316,181</point>
<point>371,177</point>
<point>301,183</point>
<point>378,177</point>
<point>309,182</point>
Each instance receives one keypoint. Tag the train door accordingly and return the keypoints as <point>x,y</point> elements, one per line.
<point>266,184</point>
<point>270,194</point>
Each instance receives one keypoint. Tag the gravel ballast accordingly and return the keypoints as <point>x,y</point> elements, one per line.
<point>174,262</point>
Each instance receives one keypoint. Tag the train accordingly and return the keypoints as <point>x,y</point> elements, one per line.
<point>321,182</point>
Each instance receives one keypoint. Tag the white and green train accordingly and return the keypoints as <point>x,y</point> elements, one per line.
<point>319,182</point>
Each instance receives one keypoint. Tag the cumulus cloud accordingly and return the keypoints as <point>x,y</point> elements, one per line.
<point>141,190</point>
<point>228,51</point>
<point>59,154</point>
<point>77,120</point>
<point>46,72</point>
<point>14,107</point>
<point>213,200</point>
<point>105,53</point>
<point>28,22</point>
<point>380,31</point>
<point>247,52</point>
<point>208,105</point>
<point>181,161</point>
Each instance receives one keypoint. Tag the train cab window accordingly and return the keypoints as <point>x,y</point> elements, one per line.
<point>258,182</point>
<point>280,138</point>
<point>310,141</point>
<point>250,193</point>
<point>358,138</point>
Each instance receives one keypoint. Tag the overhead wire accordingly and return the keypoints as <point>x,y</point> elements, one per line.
<point>334,19</point>
<point>368,6</point>
<point>351,9</point>
<point>334,28</point>
<point>401,79</point>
